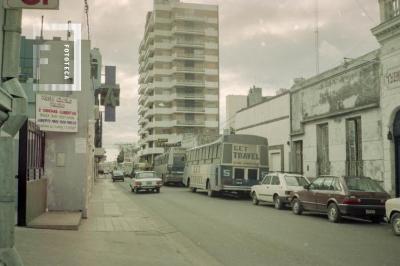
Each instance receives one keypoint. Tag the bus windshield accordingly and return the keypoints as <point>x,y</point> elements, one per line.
<point>179,162</point>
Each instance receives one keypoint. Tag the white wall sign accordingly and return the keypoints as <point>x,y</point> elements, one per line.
<point>32,4</point>
<point>56,114</point>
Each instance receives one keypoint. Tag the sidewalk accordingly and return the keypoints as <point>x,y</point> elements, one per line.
<point>118,232</point>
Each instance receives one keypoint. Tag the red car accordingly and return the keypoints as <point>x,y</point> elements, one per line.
<point>359,197</point>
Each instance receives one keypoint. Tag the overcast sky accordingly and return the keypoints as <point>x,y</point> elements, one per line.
<point>266,43</point>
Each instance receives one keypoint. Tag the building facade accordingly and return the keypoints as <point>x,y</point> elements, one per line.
<point>179,75</point>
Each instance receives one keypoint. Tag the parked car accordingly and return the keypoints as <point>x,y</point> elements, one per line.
<point>393,214</point>
<point>359,197</point>
<point>118,175</point>
<point>146,180</point>
<point>277,188</point>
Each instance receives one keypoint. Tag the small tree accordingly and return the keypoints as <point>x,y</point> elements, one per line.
<point>121,157</point>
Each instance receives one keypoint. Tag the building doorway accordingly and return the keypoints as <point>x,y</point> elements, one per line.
<point>396,134</point>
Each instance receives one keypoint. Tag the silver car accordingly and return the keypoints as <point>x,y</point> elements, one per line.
<point>146,181</point>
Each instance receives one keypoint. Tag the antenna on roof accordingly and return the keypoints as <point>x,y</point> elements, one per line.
<point>41,29</point>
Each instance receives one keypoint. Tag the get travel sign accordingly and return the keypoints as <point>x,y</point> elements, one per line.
<point>32,4</point>
<point>56,114</point>
<point>245,154</point>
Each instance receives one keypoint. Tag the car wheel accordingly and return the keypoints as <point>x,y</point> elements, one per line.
<point>395,221</point>
<point>136,191</point>
<point>296,207</point>
<point>113,180</point>
<point>334,215</point>
<point>277,203</point>
<point>193,189</point>
<point>157,190</point>
<point>376,219</point>
<point>255,199</point>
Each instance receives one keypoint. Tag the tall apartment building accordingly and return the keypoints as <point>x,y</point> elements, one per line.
<point>179,75</point>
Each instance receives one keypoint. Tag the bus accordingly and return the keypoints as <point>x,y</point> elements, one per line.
<point>232,164</point>
<point>170,165</point>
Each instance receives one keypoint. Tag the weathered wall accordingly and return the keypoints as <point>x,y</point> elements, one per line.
<point>68,184</point>
<point>348,91</point>
<point>271,120</point>
<point>345,88</point>
<point>36,199</point>
<point>372,151</point>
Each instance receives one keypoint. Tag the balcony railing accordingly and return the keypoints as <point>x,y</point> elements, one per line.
<point>191,122</point>
<point>189,42</point>
<point>189,56</point>
<point>188,29</point>
<point>188,82</point>
<point>189,17</point>
<point>191,109</point>
<point>190,96</point>
<point>189,69</point>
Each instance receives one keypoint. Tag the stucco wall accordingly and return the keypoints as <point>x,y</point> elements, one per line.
<point>68,185</point>
<point>371,135</point>
<point>269,119</point>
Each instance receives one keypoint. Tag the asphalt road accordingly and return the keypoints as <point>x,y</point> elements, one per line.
<point>234,232</point>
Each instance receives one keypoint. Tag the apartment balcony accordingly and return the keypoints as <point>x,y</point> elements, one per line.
<point>143,120</point>
<point>158,111</point>
<point>213,85</point>
<point>148,63</point>
<point>191,110</point>
<point>142,109</point>
<point>149,36</point>
<point>179,17</point>
<point>190,123</point>
<point>142,99</point>
<point>211,32</point>
<point>149,88</point>
<point>183,69</point>
<point>142,131</point>
<point>189,83</point>
<point>187,56</point>
<point>148,77</point>
<point>211,98</point>
<point>188,43</point>
<point>189,96</point>
<point>142,88</point>
<point>187,30</point>
<point>163,45</point>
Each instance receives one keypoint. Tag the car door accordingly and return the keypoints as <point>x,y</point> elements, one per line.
<point>264,187</point>
<point>274,187</point>
<point>308,197</point>
<point>324,193</point>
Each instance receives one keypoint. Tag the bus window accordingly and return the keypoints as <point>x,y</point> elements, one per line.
<point>252,174</point>
<point>239,173</point>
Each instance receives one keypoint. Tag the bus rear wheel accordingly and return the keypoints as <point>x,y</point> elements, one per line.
<point>210,192</point>
<point>193,189</point>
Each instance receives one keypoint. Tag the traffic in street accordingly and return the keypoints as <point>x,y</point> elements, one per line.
<point>235,232</point>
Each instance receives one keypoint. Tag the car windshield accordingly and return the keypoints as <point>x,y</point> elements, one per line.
<point>145,175</point>
<point>363,184</point>
<point>296,181</point>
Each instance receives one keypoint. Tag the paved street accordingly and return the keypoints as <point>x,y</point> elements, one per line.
<point>177,227</point>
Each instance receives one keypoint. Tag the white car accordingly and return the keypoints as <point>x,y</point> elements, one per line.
<point>146,180</point>
<point>393,214</point>
<point>277,188</point>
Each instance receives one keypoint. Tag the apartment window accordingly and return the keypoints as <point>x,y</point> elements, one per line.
<point>323,149</point>
<point>354,163</point>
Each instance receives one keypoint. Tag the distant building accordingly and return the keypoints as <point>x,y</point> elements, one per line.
<point>233,104</point>
<point>179,75</point>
